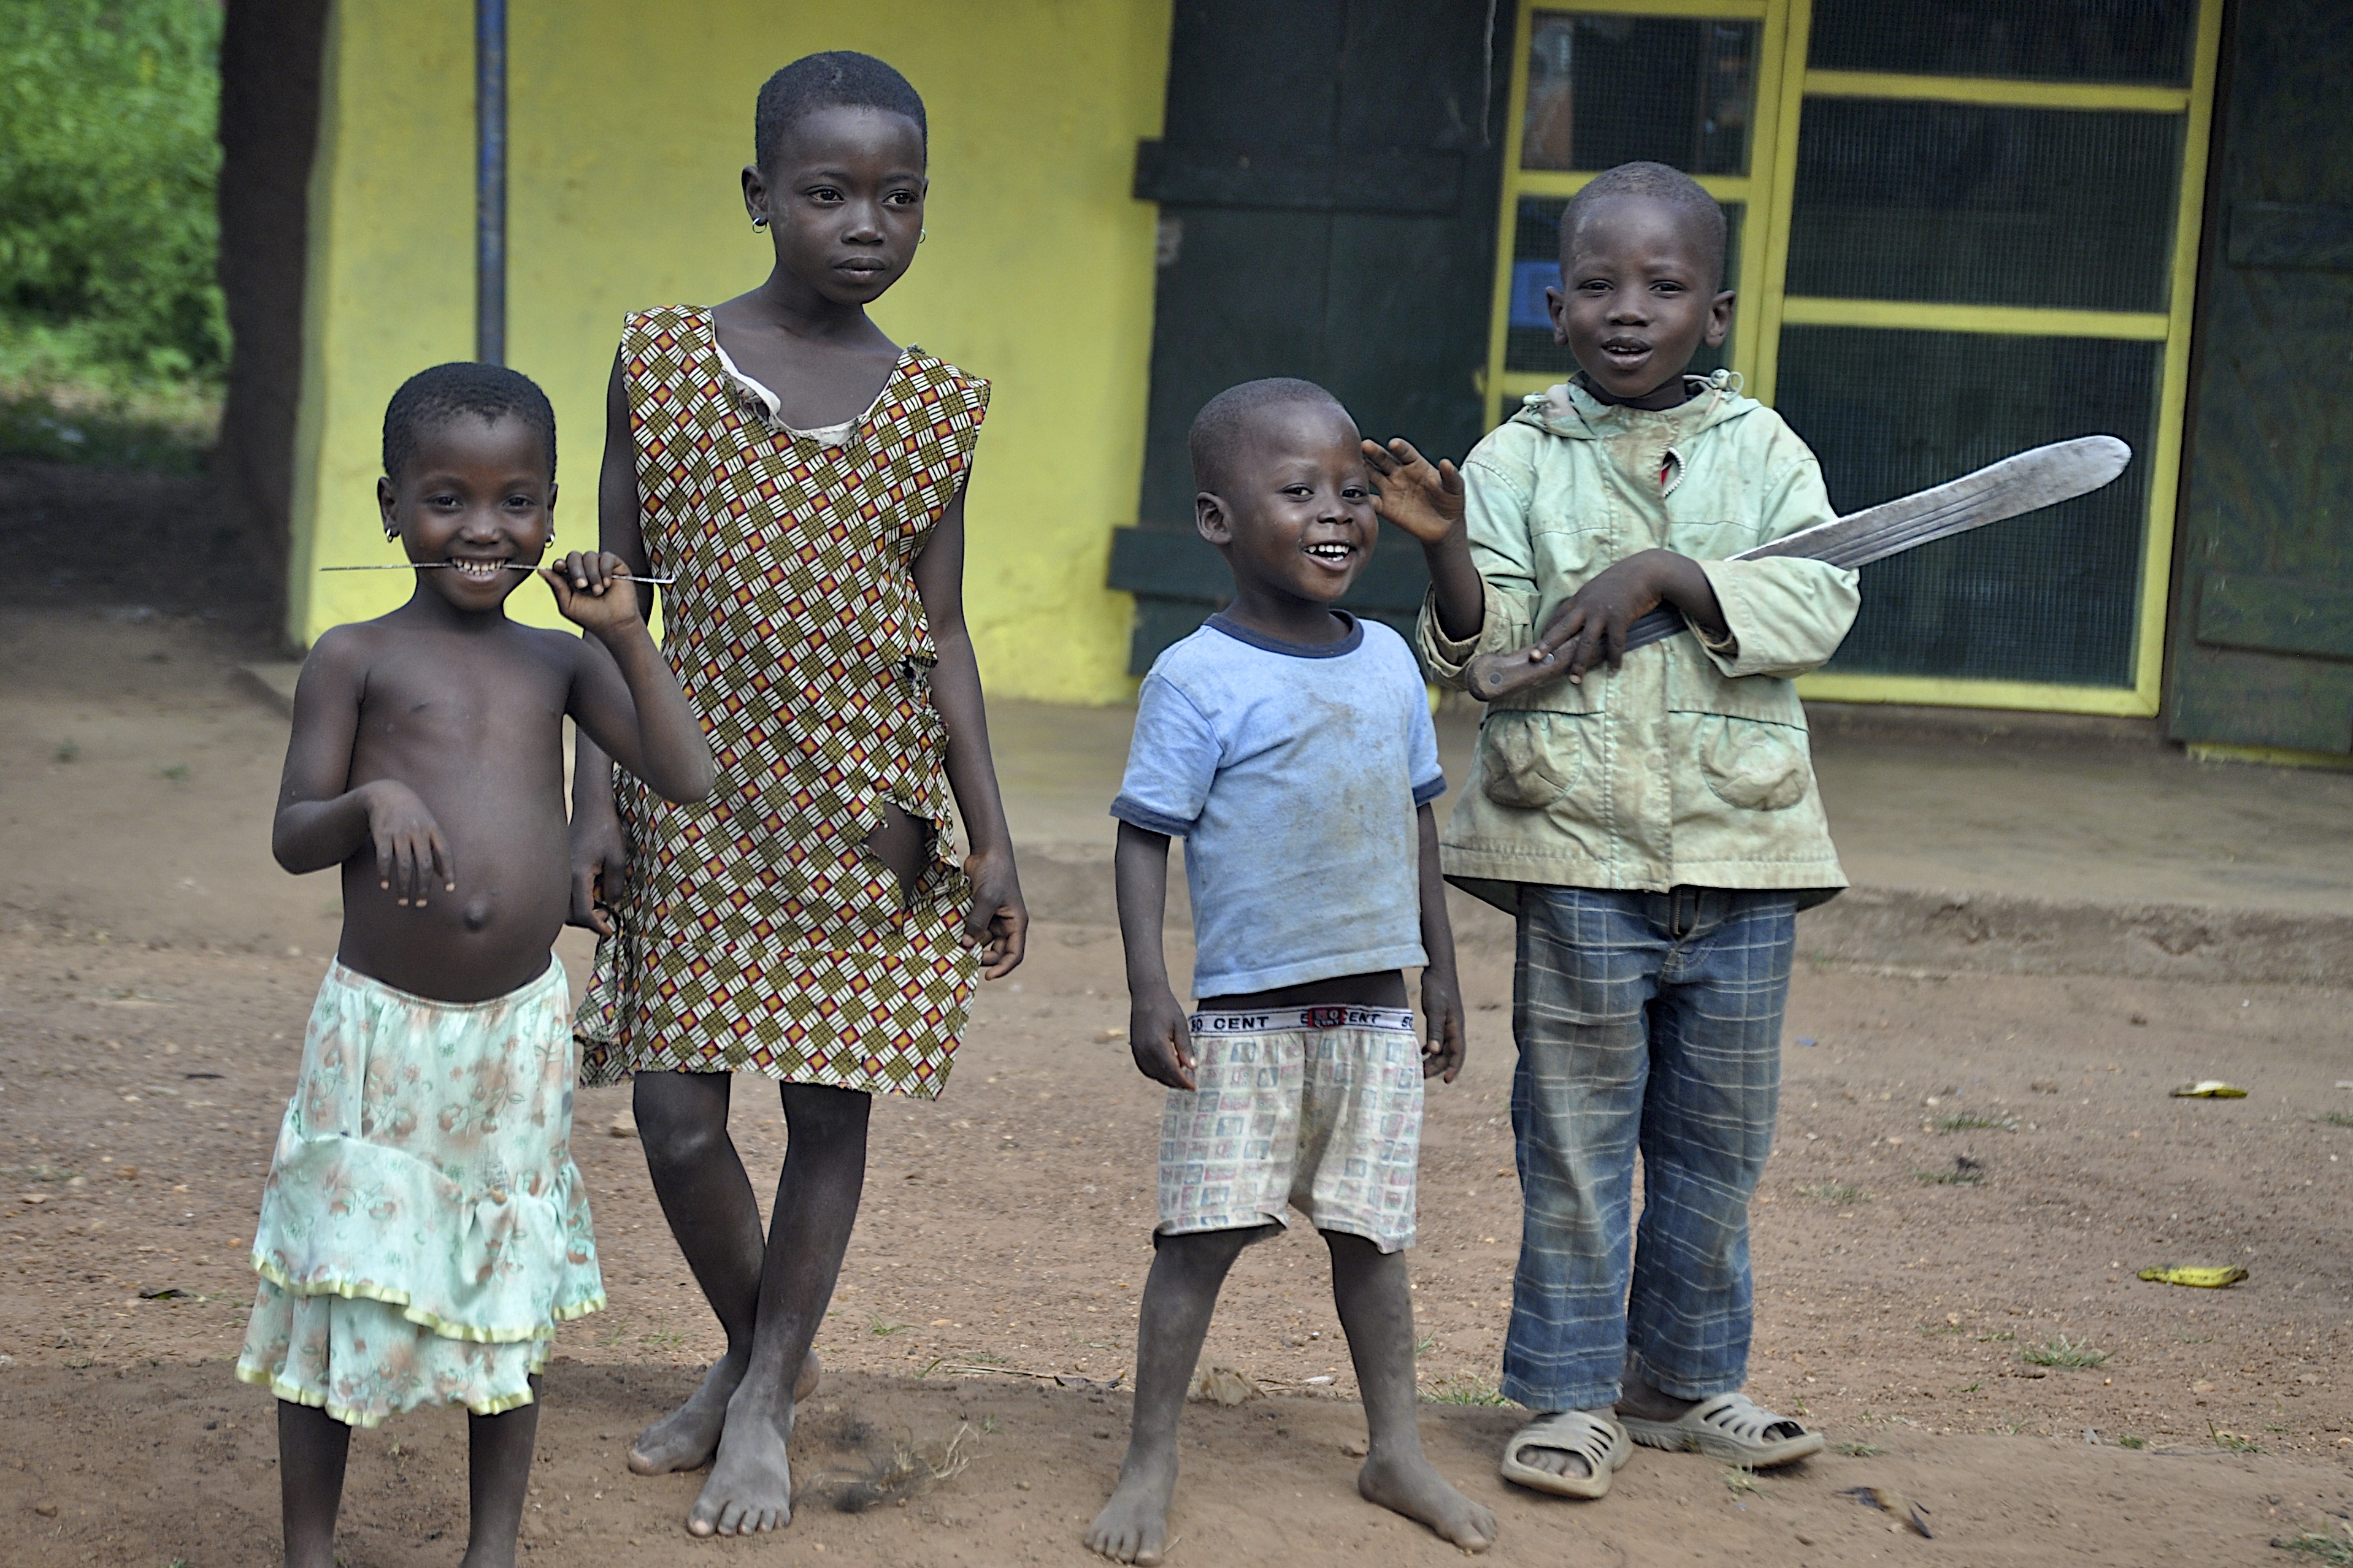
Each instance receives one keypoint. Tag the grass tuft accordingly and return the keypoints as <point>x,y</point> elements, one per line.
<point>1839,1193</point>
<point>1966,1173</point>
<point>2231,1442</point>
<point>1463,1388</point>
<point>2061,1350</point>
<point>1855,1449</point>
<point>2334,1549</point>
<point>1978,1121</point>
<point>2128,1441</point>
<point>2334,1118</point>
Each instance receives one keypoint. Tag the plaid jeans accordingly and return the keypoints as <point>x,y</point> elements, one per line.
<point>1650,1020</point>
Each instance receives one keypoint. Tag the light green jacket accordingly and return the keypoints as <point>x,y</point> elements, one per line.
<point>1689,766</point>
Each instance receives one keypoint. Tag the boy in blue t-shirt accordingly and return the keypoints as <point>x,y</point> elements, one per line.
<point>1289,744</point>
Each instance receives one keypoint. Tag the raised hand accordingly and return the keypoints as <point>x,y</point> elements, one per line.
<point>409,851</point>
<point>1426,501</point>
<point>587,588</point>
<point>1160,1037</point>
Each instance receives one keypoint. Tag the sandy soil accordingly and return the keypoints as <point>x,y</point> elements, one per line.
<point>155,974</point>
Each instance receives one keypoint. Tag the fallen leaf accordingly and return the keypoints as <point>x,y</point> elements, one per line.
<point>2210,1089</point>
<point>2205,1278</point>
<point>1221,1385</point>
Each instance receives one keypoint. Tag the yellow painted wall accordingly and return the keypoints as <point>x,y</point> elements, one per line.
<point>628,126</point>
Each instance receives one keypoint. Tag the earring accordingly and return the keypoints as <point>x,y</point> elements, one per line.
<point>761,221</point>
<point>922,235</point>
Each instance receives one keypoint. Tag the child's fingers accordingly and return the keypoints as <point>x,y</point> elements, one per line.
<point>1403,452</point>
<point>1449,478</point>
<point>1377,457</point>
<point>387,858</point>
<point>445,866</point>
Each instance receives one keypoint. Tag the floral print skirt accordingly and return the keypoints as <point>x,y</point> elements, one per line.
<point>424,1228</point>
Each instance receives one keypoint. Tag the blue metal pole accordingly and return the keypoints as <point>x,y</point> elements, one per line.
<point>491,180</point>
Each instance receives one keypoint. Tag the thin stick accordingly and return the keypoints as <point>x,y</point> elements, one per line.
<point>503,566</point>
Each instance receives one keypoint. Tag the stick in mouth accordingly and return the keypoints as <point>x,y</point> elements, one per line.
<point>503,565</point>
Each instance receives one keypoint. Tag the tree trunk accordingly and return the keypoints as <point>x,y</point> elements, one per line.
<point>269,69</point>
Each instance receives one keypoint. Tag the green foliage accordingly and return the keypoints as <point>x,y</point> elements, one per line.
<point>108,163</point>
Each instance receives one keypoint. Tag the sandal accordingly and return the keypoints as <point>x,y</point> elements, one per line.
<point>1600,1442</point>
<point>1732,1427</point>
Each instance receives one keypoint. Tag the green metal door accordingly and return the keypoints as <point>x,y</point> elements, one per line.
<point>1327,181</point>
<point>2263,633</point>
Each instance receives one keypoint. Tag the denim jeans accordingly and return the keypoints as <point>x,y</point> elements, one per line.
<point>1649,1021</point>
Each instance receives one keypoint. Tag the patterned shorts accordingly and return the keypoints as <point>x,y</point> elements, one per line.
<point>1313,1107</point>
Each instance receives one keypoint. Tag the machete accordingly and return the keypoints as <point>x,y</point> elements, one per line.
<point>2026,482</point>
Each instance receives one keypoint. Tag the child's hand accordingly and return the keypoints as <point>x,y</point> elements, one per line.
<point>593,591</point>
<point>1161,1039</point>
<point>408,846</point>
<point>1592,626</point>
<point>1441,1010</point>
<point>600,870</point>
<point>1425,501</point>
<point>998,917</point>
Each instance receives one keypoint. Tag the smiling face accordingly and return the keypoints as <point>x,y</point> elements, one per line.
<point>1294,511</point>
<point>475,493</point>
<point>1640,298</point>
<point>844,200</point>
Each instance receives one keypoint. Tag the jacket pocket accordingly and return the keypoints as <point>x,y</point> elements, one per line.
<point>1531,759</point>
<point>1752,764</point>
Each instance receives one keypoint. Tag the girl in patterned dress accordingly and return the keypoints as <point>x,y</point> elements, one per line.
<point>803,478</point>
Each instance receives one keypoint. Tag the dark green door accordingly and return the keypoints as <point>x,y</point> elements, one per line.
<point>2262,632</point>
<point>1327,181</point>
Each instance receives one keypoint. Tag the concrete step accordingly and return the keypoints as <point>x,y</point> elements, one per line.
<point>1893,928</point>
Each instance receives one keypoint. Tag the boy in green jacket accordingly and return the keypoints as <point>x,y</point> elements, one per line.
<point>1651,820</point>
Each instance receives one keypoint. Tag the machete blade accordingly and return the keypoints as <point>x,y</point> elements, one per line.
<point>2027,482</point>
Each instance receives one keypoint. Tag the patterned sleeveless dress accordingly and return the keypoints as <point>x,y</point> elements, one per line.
<point>758,934</point>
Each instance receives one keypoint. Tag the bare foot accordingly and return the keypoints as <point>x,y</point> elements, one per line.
<point>1410,1486</point>
<point>1134,1525</point>
<point>751,1485</point>
<point>687,1437</point>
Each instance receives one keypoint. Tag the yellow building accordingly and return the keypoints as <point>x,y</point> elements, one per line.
<point>628,125</point>
<point>1960,228</point>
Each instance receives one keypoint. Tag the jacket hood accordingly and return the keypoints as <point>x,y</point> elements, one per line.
<point>1567,409</point>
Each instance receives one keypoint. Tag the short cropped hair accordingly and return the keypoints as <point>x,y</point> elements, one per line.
<point>431,398</point>
<point>837,79</point>
<point>1224,418</point>
<point>1657,183</point>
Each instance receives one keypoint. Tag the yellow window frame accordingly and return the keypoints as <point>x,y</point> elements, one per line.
<point>1767,194</point>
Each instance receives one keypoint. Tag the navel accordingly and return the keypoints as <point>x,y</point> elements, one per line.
<point>477,911</point>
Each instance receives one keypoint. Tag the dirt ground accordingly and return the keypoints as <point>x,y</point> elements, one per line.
<point>155,970</point>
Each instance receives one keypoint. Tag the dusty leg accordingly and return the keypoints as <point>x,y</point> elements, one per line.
<point>707,1199</point>
<point>312,1447</point>
<point>1178,1297</point>
<point>498,1477</point>
<point>1369,1288</point>
<point>751,1487</point>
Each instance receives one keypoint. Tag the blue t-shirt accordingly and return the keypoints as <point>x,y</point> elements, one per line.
<point>1292,772</point>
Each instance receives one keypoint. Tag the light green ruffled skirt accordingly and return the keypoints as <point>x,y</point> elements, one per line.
<point>424,1229</point>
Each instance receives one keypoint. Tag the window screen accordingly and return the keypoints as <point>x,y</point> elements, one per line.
<point>2050,596</point>
<point>2146,41</point>
<point>1968,203</point>
<point>1536,267</point>
<point>1605,91</point>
